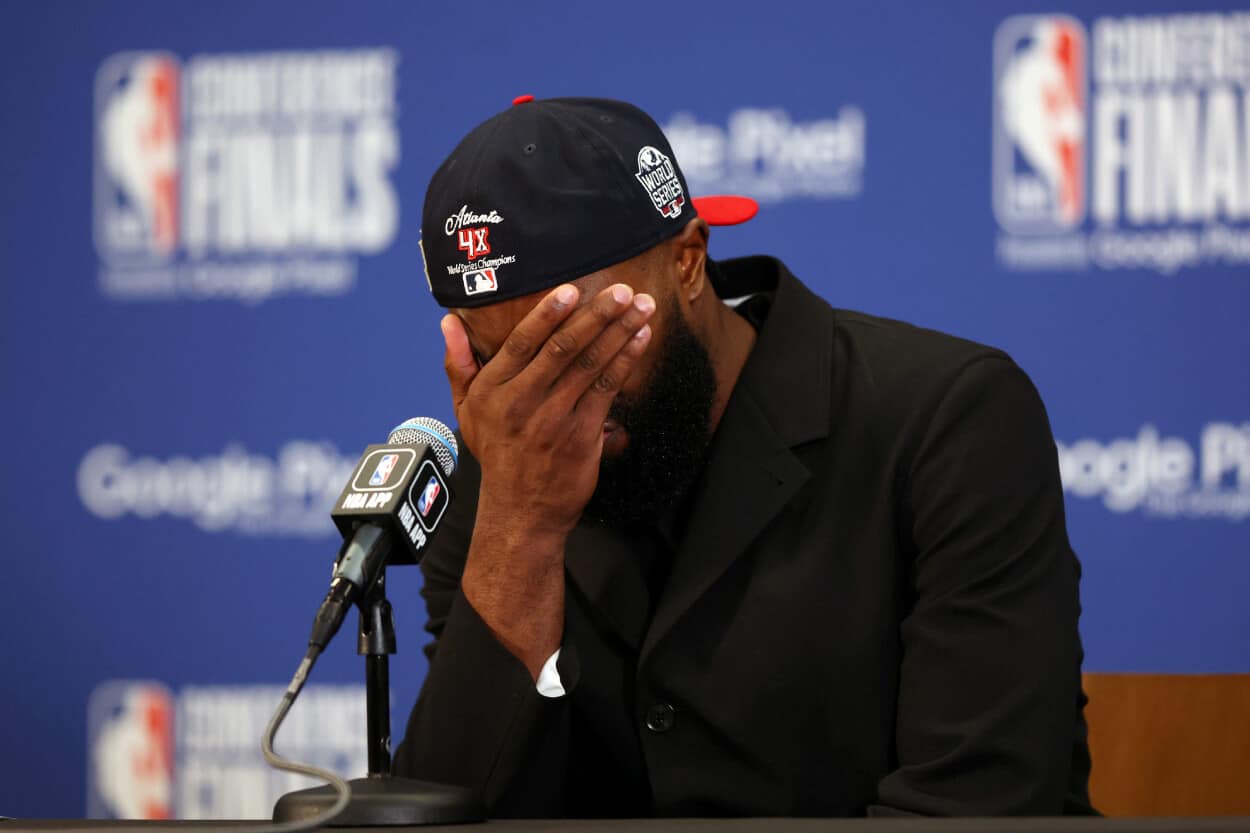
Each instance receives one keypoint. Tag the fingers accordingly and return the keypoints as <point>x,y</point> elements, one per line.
<point>458,360</point>
<point>528,337</point>
<point>585,343</point>
<point>601,332</point>
<point>598,396</point>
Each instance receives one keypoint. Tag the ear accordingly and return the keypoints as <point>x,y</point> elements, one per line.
<point>690,252</point>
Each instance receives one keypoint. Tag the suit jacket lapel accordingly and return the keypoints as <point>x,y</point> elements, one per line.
<point>743,488</point>
<point>607,570</point>
<point>781,400</point>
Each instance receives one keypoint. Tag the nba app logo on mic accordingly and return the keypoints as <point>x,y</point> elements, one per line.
<point>1039,124</point>
<point>138,121</point>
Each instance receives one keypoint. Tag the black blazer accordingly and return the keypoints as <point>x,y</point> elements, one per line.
<point>872,609</point>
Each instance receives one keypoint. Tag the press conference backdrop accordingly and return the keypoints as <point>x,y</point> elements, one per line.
<point>213,300</point>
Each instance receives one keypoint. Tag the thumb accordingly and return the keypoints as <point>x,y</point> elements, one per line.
<point>458,361</point>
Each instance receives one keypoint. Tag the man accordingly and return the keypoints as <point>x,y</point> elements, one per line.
<point>769,559</point>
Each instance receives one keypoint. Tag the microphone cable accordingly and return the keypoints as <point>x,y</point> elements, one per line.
<point>341,787</point>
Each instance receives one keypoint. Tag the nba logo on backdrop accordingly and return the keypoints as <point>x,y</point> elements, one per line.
<point>1125,149</point>
<point>130,745</point>
<point>156,754</point>
<point>1039,123</point>
<point>243,175</point>
<point>138,119</point>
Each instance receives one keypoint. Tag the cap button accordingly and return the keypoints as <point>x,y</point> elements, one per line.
<point>522,99</point>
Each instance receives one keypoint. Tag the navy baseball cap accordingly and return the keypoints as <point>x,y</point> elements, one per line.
<point>548,191</point>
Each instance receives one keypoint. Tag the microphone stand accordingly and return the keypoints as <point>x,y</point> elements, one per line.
<point>381,799</point>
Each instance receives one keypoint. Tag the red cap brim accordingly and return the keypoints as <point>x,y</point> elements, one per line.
<point>725,210</point>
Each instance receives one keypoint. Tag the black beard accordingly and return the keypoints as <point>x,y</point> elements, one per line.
<point>669,429</point>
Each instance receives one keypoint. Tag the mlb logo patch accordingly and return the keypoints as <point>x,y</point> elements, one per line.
<point>386,465</point>
<point>428,496</point>
<point>1040,123</point>
<point>138,123</point>
<point>480,281</point>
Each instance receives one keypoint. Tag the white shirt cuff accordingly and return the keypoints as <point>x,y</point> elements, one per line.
<point>549,684</point>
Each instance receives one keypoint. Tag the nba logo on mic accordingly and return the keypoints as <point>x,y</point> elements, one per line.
<point>385,466</point>
<point>1040,116</point>
<point>428,495</point>
<point>138,123</point>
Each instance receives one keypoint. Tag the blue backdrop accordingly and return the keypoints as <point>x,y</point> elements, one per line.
<point>213,300</point>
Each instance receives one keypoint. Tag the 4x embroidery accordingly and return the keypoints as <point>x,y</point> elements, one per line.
<point>474,242</point>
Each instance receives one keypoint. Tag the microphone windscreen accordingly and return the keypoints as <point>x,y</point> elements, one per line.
<point>434,434</point>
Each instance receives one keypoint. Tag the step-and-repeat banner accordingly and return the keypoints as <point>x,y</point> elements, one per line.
<point>213,300</point>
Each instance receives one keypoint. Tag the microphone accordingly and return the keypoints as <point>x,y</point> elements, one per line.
<point>398,492</point>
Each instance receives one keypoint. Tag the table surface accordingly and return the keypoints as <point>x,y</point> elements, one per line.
<point>1239,824</point>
